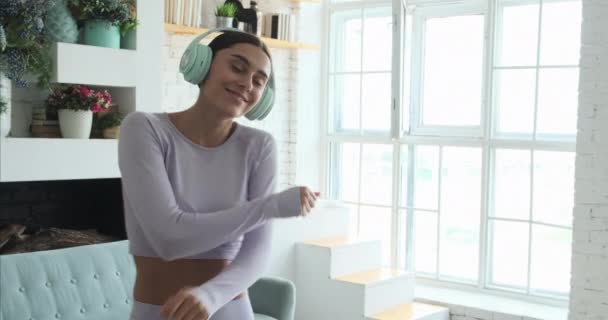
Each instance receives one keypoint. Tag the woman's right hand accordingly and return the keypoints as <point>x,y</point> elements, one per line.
<point>307,200</point>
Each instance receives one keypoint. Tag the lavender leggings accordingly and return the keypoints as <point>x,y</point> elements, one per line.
<point>236,309</point>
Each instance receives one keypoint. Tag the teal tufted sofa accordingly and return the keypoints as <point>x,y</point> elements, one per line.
<point>95,282</point>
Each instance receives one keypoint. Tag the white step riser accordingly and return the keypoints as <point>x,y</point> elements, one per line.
<point>355,258</point>
<point>326,222</point>
<point>319,297</point>
<point>389,294</point>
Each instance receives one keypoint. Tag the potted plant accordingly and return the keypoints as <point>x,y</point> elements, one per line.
<point>102,19</point>
<point>75,105</point>
<point>224,15</point>
<point>24,47</point>
<point>109,124</point>
<point>128,28</point>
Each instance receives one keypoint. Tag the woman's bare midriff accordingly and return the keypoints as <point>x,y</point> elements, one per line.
<point>157,280</point>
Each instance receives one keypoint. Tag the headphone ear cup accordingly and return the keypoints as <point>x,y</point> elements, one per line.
<point>195,63</point>
<point>263,107</point>
<point>269,103</point>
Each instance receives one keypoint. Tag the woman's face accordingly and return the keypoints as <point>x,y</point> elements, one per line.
<point>237,79</point>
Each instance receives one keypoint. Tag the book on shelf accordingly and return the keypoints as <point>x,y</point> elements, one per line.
<point>279,26</point>
<point>184,12</point>
<point>45,131</point>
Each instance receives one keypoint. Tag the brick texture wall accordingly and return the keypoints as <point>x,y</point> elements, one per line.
<point>589,284</point>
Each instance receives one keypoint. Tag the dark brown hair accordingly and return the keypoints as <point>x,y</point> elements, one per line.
<point>229,38</point>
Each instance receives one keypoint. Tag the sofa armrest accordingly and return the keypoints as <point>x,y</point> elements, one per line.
<point>273,296</point>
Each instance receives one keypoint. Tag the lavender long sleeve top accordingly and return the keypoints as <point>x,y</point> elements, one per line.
<point>183,200</point>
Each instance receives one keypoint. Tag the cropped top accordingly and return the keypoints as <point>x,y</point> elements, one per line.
<point>183,200</point>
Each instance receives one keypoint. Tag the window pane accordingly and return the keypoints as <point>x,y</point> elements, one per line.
<point>426,178</point>
<point>402,236</point>
<point>346,41</point>
<point>377,39</point>
<point>511,192</point>
<point>453,65</point>
<point>404,200</point>
<point>551,254</point>
<point>376,224</point>
<point>517,34</point>
<point>377,174</point>
<point>345,102</point>
<point>514,95</point>
<point>553,187</point>
<point>425,242</point>
<point>460,212</point>
<point>345,177</point>
<point>557,101</point>
<point>509,260</point>
<point>377,102</point>
<point>561,33</point>
<point>353,222</point>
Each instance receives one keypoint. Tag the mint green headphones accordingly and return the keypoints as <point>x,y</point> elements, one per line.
<point>196,62</point>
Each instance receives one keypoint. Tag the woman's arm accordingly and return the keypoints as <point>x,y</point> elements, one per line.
<point>173,232</point>
<point>253,258</point>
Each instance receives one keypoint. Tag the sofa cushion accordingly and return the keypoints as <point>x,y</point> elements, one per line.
<point>87,282</point>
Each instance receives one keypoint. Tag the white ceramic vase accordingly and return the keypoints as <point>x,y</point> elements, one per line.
<point>5,94</point>
<point>75,124</point>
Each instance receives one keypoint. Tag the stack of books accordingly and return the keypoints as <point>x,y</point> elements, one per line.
<point>43,128</point>
<point>184,12</point>
<point>279,26</point>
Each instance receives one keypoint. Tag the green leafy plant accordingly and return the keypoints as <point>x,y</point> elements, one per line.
<point>131,23</point>
<point>226,10</point>
<point>24,48</point>
<point>115,12</point>
<point>110,120</point>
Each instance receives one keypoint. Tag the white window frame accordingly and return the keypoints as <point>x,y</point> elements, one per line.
<point>482,136</point>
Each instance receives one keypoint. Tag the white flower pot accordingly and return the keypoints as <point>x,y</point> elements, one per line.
<point>5,94</point>
<point>75,124</point>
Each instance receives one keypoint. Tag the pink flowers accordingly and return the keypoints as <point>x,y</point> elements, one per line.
<point>78,97</point>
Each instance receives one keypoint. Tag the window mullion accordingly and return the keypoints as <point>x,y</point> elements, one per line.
<point>534,128</point>
<point>439,178</point>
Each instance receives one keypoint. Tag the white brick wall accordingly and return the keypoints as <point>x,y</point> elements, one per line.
<point>179,95</point>
<point>589,284</point>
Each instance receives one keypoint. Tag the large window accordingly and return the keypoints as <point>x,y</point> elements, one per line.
<point>452,134</point>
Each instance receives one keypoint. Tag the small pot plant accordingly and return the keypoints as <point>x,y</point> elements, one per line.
<point>75,106</point>
<point>102,19</point>
<point>109,124</point>
<point>128,27</point>
<point>224,15</point>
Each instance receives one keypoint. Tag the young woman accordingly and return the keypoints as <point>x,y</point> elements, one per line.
<point>199,193</point>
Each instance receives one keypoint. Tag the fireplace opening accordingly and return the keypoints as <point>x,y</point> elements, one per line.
<point>46,215</point>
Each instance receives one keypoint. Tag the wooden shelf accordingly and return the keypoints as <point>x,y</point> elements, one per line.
<point>36,159</point>
<point>91,65</point>
<point>273,43</point>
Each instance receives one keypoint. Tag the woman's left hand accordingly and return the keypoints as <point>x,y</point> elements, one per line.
<point>184,305</point>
